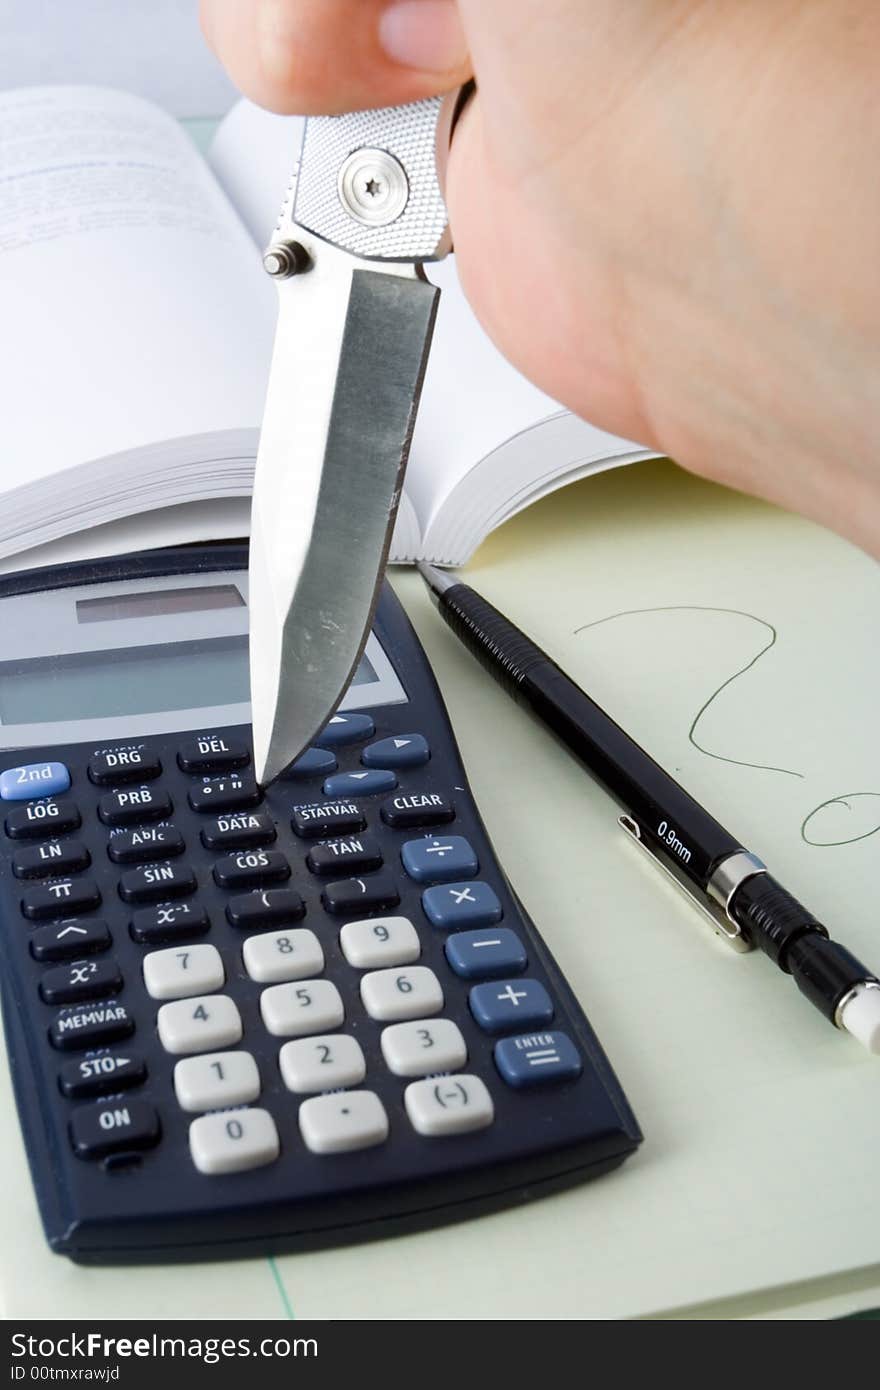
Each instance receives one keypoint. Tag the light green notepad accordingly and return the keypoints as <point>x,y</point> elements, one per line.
<point>739,646</point>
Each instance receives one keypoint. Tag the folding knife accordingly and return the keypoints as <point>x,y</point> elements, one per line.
<point>356,314</point>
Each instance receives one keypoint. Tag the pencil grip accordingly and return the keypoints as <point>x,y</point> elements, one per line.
<point>504,651</point>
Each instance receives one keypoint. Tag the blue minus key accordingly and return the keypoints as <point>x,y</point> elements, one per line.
<point>486,954</point>
<point>536,1058</point>
<point>33,780</point>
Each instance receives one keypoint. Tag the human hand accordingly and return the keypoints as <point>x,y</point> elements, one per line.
<point>666,212</point>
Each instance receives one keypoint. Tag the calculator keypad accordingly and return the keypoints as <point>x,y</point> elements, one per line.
<point>324,971</point>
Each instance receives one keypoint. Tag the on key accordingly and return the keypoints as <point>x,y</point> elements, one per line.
<point>42,818</point>
<point>250,868</point>
<point>95,1076</point>
<point>155,882</point>
<point>273,907</point>
<point>55,857</point>
<point>60,899</point>
<point>349,895</point>
<point>96,1130</point>
<point>81,980</point>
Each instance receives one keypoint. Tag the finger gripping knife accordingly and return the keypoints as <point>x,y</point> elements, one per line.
<point>356,314</point>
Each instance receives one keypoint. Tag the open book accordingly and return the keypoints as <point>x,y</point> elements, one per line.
<point>136,334</point>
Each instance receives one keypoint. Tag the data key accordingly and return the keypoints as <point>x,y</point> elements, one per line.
<point>242,830</point>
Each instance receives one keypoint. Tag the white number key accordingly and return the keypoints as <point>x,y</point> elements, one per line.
<point>183,971</point>
<point>389,995</point>
<point>274,956</point>
<point>233,1141</point>
<point>344,1121</point>
<point>380,941</point>
<point>294,1010</point>
<point>199,1025</point>
<point>322,1064</point>
<point>449,1105</point>
<point>420,1048</point>
<point>216,1081</point>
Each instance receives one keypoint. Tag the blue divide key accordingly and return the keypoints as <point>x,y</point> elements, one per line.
<point>537,1058</point>
<point>484,955</point>
<point>454,905</point>
<point>439,858</point>
<point>510,1004</point>
<point>33,780</point>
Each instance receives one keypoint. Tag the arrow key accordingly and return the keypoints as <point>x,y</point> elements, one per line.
<point>403,750</point>
<point>360,783</point>
<point>69,940</point>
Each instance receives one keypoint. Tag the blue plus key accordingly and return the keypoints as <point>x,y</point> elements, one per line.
<point>403,750</point>
<point>33,780</point>
<point>484,955</point>
<point>346,728</point>
<point>510,1004</point>
<point>360,783</point>
<point>439,858</point>
<point>537,1058</point>
<point>454,905</point>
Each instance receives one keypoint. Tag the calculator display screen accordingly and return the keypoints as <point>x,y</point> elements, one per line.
<point>131,681</point>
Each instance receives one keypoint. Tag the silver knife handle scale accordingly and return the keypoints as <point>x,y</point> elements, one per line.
<point>368,181</point>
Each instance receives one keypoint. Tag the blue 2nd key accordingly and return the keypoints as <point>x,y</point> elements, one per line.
<point>33,780</point>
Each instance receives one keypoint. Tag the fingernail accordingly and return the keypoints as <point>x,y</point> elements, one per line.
<point>424,34</point>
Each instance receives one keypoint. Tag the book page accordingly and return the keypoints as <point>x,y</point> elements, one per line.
<point>133,312</point>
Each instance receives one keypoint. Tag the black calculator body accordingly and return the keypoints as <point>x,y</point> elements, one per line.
<point>245,1022</point>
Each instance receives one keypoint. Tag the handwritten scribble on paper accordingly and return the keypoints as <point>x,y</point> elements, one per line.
<point>840,820</point>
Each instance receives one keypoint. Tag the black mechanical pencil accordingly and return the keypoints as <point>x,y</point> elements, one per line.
<point>729,883</point>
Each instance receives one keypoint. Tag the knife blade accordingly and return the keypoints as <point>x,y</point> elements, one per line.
<point>355,319</point>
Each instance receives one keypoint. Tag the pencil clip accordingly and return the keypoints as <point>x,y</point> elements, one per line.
<point>714,914</point>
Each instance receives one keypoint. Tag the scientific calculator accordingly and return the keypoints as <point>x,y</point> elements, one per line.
<point>244,1021</point>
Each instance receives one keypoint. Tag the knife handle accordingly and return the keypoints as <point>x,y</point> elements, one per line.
<point>368,181</point>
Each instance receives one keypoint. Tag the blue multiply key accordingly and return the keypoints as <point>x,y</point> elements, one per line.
<point>33,780</point>
<point>439,858</point>
<point>536,1058</point>
<point>454,905</point>
<point>484,955</point>
<point>507,1004</point>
